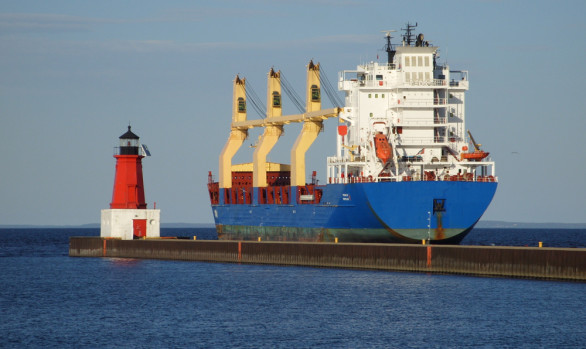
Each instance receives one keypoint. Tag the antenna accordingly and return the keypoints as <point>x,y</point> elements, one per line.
<point>408,36</point>
<point>389,46</point>
<point>388,32</point>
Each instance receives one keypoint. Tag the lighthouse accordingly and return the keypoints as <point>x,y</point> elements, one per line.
<point>128,216</point>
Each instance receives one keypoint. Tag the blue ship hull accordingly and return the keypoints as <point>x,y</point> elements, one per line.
<point>443,211</point>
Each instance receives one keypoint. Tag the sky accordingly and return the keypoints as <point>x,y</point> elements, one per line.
<point>74,74</point>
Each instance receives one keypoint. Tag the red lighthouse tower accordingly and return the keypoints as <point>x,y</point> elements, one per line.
<point>128,217</point>
<point>128,185</point>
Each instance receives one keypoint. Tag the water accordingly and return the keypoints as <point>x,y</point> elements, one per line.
<point>48,299</point>
<point>527,237</point>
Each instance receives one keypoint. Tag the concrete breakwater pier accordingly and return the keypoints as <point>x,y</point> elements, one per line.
<point>499,261</point>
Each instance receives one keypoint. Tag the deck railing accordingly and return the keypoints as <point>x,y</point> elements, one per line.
<point>429,176</point>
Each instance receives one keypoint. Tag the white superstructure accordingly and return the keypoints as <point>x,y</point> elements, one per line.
<point>419,106</point>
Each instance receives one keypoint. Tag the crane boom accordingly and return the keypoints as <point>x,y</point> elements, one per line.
<point>476,145</point>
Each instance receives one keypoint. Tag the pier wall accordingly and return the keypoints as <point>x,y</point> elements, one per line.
<point>521,262</point>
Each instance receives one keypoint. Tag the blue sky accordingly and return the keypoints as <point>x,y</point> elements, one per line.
<point>73,74</point>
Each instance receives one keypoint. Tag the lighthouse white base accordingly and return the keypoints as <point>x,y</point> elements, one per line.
<point>128,223</point>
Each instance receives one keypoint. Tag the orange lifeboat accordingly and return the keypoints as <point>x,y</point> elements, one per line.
<point>475,156</point>
<point>383,149</point>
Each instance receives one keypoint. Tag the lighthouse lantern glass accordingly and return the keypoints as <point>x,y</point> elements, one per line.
<point>126,142</point>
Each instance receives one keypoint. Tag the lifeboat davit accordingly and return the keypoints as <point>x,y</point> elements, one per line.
<point>383,149</point>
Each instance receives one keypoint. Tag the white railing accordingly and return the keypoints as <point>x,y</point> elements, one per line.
<point>425,83</point>
<point>333,160</point>
<point>422,140</point>
<point>440,120</point>
<point>407,83</point>
<point>410,102</point>
<point>375,66</point>
<point>419,122</point>
<point>415,178</point>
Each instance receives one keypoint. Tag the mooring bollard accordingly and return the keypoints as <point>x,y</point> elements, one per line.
<point>194,237</point>
<point>540,244</point>
<point>423,241</point>
<point>259,238</point>
<point>336,240</point>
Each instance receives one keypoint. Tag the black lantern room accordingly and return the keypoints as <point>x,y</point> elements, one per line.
<point>129,143</point>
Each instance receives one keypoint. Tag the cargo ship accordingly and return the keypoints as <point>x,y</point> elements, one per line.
<point>405,170</point>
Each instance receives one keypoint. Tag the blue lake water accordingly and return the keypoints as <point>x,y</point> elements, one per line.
<point>48,299</point>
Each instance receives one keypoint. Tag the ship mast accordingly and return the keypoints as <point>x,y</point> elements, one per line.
<point>408,36</point>
<point>389,46</point>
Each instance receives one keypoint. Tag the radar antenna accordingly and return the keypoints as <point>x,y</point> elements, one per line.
<point>389,46</point>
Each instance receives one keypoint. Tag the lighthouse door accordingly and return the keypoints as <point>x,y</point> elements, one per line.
<point>139,227</point>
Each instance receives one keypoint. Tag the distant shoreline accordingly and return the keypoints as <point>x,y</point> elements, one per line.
<point>480,225</point>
